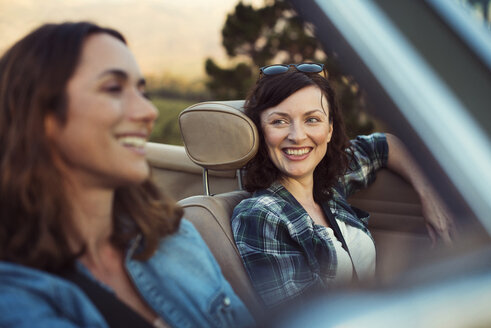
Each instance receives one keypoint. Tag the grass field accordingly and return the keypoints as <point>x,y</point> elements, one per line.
<point>166,129</point>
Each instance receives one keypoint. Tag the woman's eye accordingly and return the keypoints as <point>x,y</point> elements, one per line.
<point>278,122</point>
<point>114,88</point>
<point>313,120</point>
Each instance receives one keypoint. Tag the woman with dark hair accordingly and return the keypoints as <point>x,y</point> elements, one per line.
<point>77,207</point>
<point>297,233</point>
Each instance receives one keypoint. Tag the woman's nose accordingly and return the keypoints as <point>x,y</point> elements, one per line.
<point>143,110</point>
<point>297,132</point>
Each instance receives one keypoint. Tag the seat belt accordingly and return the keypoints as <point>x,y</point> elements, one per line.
<point>337,232</point>
<point>115,312</point>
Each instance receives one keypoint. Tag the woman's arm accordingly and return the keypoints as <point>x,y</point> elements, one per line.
<point>438,218</point>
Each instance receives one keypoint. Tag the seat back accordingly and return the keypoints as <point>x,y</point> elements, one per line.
<point>211,216</point>
<point>218,136</point>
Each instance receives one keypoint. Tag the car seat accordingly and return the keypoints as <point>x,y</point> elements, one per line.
<point>218,136</point>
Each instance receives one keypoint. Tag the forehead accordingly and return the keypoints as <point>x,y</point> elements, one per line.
<point>300,102</point>
<point>101,52</point>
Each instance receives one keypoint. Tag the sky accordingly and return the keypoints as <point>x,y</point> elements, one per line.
<point>168,37</point>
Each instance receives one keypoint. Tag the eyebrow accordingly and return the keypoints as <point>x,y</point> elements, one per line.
<point>306,114</point>
<point>120,74</point>
<point>314,111</point>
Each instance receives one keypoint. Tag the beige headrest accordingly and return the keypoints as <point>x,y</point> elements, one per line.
<point>218,135</point>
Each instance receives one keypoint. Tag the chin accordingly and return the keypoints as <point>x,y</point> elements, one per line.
<point>139,175</point>
<point>142,177</point>
<point>297,173</point>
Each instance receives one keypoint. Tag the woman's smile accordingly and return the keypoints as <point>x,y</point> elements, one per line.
<point>297,154</point>
<point>133,141</point>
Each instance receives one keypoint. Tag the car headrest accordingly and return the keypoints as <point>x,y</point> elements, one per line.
<point>217,135</point>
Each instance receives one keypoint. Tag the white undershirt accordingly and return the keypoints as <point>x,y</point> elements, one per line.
<point>362,251</point>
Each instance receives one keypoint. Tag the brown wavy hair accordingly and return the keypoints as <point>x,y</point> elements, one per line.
<point>271,90</point>
<point>34,209</point>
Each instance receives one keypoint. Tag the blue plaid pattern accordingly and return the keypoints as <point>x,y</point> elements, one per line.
<point>284,252</point>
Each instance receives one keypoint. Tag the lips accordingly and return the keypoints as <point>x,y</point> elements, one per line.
<point>297,151</point>
<point>133,141</point>
<point>130,141</point>
<point>297,154</point>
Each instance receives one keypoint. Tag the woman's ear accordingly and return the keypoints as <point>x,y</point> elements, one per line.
<point>51,127</point>
<point>52,131</point>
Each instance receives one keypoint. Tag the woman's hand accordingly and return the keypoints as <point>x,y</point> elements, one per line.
<point>439,221</point>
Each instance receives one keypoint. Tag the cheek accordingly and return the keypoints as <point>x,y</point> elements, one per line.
<point>272,139</point>
<point>96,108</point>
<point>321,136</point>
<point>274,136</point>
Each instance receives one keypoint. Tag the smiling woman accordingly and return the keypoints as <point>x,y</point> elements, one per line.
<point>76,201</point>
<point>297,234</point>
<point>108,117</point>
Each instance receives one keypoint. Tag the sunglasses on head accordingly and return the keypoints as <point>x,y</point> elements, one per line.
<point>283,68</point>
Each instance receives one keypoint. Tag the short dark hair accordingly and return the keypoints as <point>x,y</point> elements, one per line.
<point>34,209</point>
<point>270,91</point>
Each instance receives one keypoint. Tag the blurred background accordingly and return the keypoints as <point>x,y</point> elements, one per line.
<point>192,50</point>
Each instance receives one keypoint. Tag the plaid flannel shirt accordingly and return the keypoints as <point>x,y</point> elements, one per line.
<point>284,252</point>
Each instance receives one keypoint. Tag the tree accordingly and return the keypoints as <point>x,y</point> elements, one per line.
<point>271,34</point>
<point>227,84</point>
<point>264,33</point>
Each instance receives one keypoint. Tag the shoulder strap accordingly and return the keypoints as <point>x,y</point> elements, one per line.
<point>337,232</point>
<point>115,312</point>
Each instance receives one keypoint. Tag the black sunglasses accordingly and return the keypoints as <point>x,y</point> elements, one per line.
<point>283,68</point>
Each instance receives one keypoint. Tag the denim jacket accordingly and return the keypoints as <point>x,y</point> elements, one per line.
<point>181,282</point>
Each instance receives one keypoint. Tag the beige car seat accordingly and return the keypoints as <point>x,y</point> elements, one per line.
<point>218,136</point>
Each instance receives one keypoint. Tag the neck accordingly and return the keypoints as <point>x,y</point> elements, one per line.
<point>92,223</point>
<point>301,189</point>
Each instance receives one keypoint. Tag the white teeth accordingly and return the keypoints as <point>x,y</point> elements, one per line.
<point>297,152</point>
<point>132,141</point>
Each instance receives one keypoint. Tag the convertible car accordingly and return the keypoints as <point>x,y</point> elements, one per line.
<point>426,68</point>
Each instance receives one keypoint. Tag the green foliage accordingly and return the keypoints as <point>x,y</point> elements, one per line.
<point>272,34</point>
<point>176,87</point>
<point>258,35</point>
<point>228,84</point>
<point>357,122</point>
<point>251,32</point>
<point>166,129</point>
